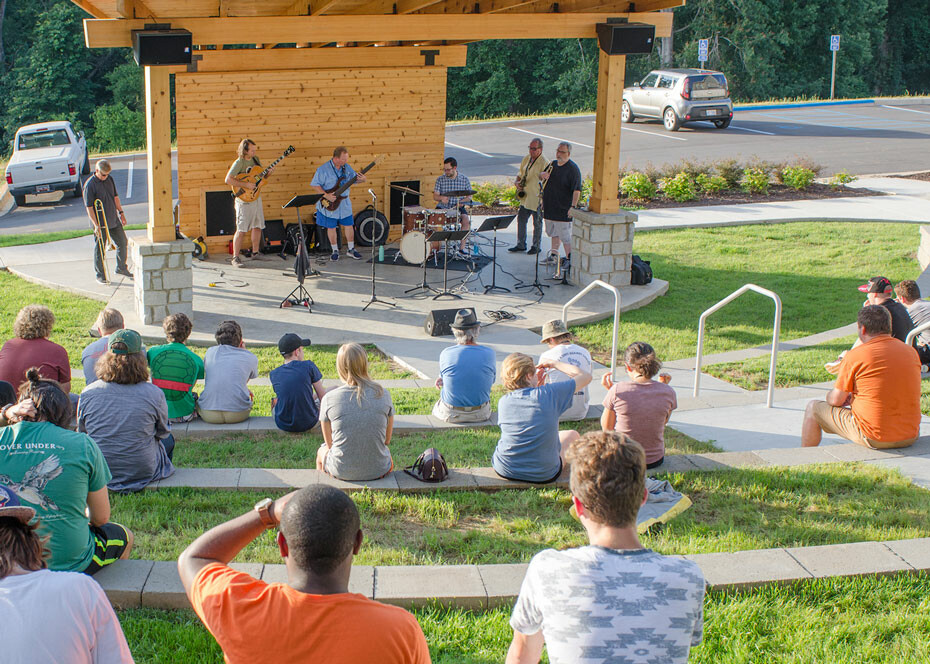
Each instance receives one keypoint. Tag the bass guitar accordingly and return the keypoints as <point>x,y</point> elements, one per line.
<point>340,187</point>
<point>256,175</point>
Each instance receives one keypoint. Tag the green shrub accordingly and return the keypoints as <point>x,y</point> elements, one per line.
<point>755,180</point>
<point>730,170</point>
<point>797,177</point>
<point>587,185</point>
<point>509,196</point>
<point>841,179</point>
<point>487,193</point>
<point>638,186</point>
<point>680,188</point>
<point>711,184</point>
<point>118,128</point>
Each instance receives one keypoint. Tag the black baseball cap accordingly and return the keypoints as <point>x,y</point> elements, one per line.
<point>291,342</point>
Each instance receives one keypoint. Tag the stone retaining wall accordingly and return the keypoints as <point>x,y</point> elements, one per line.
<point>602,247</point>
<point>164,280</point>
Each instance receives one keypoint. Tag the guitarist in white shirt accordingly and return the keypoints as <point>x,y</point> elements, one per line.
<point>250,218</point>
<point>331,175</point>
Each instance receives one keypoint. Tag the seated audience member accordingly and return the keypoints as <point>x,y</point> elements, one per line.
<point>919,311</point>
<point>641,407</point>
<point>61,473</point>
<point>127,416</point>
<point>108,322</point>
<point>7,394</point>
<point>229,367</point>
<point>312,617</point>
<point>50,616</point>
<point>880,378</point>
<point>357,419</point>
<point>466,373</point>
<point>561,349</point>
<point>294,384</point>
<point>531,447</point>
<point>30,347</point>
<point>878,292</point>
<point>176,368</point>
<point>613,600</point>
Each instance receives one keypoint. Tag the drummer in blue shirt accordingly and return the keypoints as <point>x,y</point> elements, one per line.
<point>331,174</point>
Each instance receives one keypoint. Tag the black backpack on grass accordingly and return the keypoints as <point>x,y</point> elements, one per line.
<point>640,272</point>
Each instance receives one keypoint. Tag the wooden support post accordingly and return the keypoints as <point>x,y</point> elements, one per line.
<point>158,145</point>
<point>610,74</point>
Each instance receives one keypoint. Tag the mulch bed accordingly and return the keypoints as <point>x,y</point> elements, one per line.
<point>925,176</point>
<point>777,193</point>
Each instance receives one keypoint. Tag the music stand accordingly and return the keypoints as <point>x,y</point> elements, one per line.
<point>445,236</point>
<point>423,285</point>
<point>374,240</point>
<point>300,296</point>
<point>495,224</point>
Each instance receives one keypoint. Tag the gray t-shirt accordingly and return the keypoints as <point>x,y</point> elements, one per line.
<point>228,370</point>
<point>358,452</point>
<point>919,312</point>
<point>597,605</point>
<point>127,422</point>
<point>89,358</point>
<point>105,191</point>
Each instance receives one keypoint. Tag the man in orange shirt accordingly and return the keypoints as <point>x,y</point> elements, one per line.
<point>313,617</point>
<point>880,379</point>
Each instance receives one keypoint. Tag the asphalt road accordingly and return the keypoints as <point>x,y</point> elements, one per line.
<point>860,138</point>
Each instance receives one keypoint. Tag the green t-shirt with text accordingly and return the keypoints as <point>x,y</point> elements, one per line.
<point>173,366</point>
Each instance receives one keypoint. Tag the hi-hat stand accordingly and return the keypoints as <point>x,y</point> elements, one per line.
<point>374,298</point>
<point>445,236</point>
<point>495,224</point>
<point>300,296</point>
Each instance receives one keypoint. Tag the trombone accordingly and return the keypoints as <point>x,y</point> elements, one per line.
<point>103,243</point>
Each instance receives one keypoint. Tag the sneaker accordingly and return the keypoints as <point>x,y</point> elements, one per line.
<point>237,262</point>
<point>516,248</point>
<point>258,256</point>
<point>354,254</point>
<point>532,250</point>
<point>335,256</point>
<point>101,280</point>
<point>548,260</point>
<point>125,273</point>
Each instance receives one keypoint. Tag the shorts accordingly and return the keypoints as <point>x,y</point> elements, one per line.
<point>517,479</point>
<point>559,229</point>
<point>842,422</point>
<point>110,541</point>
<point>329,222</point>
<point>223,416</point>
<point>453,415</point>
<point>249,215</point>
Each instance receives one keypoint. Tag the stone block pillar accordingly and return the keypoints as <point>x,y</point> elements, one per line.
<point>602,247</point>
<point>164,279</point>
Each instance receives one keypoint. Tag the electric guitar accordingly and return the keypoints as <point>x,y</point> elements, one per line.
<point>256,175</point>
<point>340,187</point>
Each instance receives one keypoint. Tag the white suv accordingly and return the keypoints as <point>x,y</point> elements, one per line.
<point>677,96</point>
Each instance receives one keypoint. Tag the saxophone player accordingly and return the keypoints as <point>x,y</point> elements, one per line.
<point>528,191</point>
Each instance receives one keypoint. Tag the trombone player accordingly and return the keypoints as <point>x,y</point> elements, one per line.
<point>528,192</point>
<point>100,193</point>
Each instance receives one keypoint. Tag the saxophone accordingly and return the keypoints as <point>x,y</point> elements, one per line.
<point>521,181</point>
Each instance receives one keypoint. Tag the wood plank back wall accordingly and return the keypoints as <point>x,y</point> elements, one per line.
<point>397,112</point>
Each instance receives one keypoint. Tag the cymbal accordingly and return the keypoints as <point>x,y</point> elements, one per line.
<point>460,192</point>
<point>406,190</point>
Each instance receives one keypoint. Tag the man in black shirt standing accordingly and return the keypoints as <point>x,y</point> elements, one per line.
<point>100,186</point>
<point>561,193</point>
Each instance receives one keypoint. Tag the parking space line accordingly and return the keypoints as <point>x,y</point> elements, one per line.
<point>129,180</point>
<point>554,138</point>
<point>909,110</point>
<point>652,133</point>
<point>462,147</point>
<point>754,131</point>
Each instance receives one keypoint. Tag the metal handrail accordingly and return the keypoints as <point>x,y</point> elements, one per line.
<point>917,330</point>
<point>612,289</point>
<point>775,335</point>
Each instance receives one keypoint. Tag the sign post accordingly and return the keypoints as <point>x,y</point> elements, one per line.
<point>702,51</point>
<point>834,47</point>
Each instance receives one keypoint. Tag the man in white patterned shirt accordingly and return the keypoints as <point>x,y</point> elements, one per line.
<point>611,601</point>
<point>451,180</point>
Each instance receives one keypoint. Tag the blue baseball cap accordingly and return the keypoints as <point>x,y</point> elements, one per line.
<point>11,507</point>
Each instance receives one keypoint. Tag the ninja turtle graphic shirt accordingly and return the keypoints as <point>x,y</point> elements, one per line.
<point>53,469</point>
<point>175,369</point>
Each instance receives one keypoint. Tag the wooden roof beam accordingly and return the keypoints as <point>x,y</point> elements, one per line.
<point>387,7</point>
<point>322,6</point>
<point>89,8</point>
<point>110,33</point>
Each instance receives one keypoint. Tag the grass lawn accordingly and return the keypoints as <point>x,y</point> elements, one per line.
<point>41,238</point>
<point>814,267</point>
<point>733,510</point>
<point>865,620</point>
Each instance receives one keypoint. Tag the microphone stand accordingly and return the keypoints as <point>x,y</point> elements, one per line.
<point>374,298</point>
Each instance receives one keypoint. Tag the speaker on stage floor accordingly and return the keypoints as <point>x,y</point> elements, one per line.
<point>439,321</point>
<point>625,38</point>
<point>220,213</point>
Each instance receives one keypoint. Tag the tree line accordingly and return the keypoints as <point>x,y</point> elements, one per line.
<point>768,49</point>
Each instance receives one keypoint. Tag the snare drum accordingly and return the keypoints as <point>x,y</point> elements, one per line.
<point>414,218</point>
<point>439,219</point>
<point>413,247</point>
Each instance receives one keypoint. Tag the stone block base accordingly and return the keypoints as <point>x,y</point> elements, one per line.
<point>602,247</point>
<point>164,280</point>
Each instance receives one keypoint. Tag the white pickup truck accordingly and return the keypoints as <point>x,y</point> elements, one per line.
<point>47,157</point>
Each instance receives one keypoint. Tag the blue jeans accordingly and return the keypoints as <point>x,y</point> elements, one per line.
<point>169,445</point>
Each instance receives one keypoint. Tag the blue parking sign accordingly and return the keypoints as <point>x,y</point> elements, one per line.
<point>834,42</point>
<point>703,45</point>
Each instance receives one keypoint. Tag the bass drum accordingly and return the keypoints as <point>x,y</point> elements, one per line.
<point>371,228</point>
<point>413,247</point>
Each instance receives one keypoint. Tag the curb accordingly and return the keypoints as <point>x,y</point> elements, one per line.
<point>803,104</point>
<point>6,200</point>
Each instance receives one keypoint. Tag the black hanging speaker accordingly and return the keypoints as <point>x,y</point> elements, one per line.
<point>439,321</point>
<point>162,46</point>
<point>625,38</point>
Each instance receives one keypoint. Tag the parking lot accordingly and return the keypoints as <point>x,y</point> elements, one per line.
<point>861,138</point>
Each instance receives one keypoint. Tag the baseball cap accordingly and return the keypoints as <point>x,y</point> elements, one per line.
<point>291,342</point>
<point>129,340</point>
<point>553,328</point>
<point>11,507</point>
<point>876,285</point>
